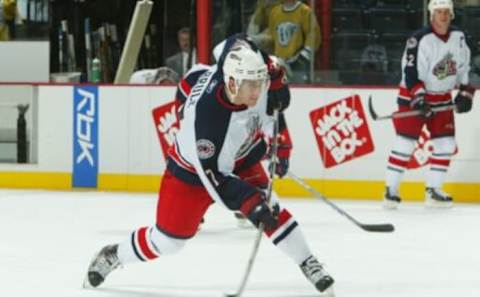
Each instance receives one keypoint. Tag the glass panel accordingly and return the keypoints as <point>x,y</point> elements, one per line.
<point>368,38</point>
<point>24,20</point>
<point>362,41</point>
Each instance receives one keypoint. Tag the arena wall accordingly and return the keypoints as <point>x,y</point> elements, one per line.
<point>129,156</point>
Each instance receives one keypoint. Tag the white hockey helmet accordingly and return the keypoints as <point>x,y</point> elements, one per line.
<point>242,63</point>
<point>441,4</point>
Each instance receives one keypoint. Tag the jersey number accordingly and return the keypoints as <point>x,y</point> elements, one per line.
<point>211,175</point>
<point>410,60</point>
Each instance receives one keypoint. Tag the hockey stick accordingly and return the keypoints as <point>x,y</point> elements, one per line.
<point>366,227</point>
<point>404,114</point>
<point>133,43</point>
<point>88,49</point>
<point>258,238</point>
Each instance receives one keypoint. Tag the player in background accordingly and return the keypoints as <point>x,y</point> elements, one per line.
<point>216,158</point>
<point>436,60</point>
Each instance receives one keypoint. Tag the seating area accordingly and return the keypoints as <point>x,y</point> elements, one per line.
<point>360,25</point>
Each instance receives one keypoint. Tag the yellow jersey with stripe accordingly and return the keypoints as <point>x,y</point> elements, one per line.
<point>293,29</point>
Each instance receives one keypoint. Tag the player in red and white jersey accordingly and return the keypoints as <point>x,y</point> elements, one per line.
<point>216,159</point>
<point>435,61</point>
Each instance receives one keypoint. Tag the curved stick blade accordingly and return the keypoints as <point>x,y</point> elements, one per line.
<point>372,112</point>
<point>378,227</point>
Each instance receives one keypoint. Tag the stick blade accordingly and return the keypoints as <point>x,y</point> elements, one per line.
<point>378,227</point>
<point>372,112</point>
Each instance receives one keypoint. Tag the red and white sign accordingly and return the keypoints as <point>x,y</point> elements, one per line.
<point>423,150</point>
<point>166,125</point>
<point>342,132</point>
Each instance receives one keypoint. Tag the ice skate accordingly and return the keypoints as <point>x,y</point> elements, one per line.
<point>391,200</point>
<point>317,275</point>
<point>104,262</point>
<point>435,197</point>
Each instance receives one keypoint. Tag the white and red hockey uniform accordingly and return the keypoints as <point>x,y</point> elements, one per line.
<point>432,65</point>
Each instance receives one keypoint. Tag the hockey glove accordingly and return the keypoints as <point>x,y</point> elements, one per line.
<point>283,153</point>
<point>419,103</point>
<point>278,99</point>
<point>256,209</point>
<point>463,100</point>
<point>282,161</point>
<point>278,92</point>
<point>282,167</point>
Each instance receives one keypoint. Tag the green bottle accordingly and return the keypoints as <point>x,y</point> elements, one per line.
<point>96,71</point>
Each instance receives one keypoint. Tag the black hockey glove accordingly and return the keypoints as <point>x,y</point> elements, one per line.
<point>282,162</point>
<point>279,92</point>
<point>255,208</point>
<point>419,103</point>
<point>282,167</point>
<point>464,98</point>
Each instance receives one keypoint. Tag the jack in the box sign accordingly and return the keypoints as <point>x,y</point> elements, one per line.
<point>341,130</point>
<point>166,125</point>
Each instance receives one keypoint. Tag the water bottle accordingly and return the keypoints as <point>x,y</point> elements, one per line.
<point>96,70</point>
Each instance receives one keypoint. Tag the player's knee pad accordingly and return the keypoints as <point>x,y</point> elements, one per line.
<point>404,145</point>
<point>444,145</point>
<point>166,244</point>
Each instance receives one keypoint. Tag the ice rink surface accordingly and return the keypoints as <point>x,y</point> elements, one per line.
<point>48,239</point>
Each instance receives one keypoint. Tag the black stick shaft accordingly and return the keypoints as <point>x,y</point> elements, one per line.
<point>366,227</point>
<point>405,114</point>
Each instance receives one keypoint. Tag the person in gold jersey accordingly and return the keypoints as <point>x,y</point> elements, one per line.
<point>296,36</point>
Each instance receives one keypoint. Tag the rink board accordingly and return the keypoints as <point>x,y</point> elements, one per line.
<point>338,148</point>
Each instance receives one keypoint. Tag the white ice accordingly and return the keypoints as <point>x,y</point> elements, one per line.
<point>48,239</point>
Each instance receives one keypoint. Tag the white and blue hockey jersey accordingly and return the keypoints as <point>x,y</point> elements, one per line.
<point>434,64</point>
<point>216,137</point>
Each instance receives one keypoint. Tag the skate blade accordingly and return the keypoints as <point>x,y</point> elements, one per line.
<point>430,203</point>
<point>389,204</point>
<point>328,292</point>
<point>86,284</point>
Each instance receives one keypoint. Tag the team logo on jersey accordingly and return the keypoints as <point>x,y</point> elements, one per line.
<point>285,32</point>
<point>253,129</point>
<point>341,131</point>
<point>412,42</point>
<point>205,149</point>
<point>446,67</point>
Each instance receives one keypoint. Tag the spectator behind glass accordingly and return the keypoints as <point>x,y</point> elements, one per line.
<point>6,8</point>
<point>296,36</point>
<point>258,26</point>
<point>179,61</point>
